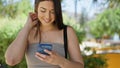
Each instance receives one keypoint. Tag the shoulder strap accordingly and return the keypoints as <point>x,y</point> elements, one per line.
<point>65,41</point>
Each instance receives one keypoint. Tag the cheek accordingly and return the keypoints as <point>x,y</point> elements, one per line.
<point>53,17</point>
<point>40,15</point>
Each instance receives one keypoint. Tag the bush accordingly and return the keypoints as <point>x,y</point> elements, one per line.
<point>94,60</point>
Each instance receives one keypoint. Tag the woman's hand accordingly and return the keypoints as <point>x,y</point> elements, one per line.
<point>52,58</point>
<point>31,20</point>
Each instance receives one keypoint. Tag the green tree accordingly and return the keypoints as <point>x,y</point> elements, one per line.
<point>106,23</point>
<point>27,7</point>
<point>114,3</point>
<point>10,8</point>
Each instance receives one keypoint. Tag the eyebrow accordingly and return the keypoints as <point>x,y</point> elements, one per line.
<point>45,8</point>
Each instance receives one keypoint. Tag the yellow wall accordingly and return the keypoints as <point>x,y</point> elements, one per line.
<point>113,60</point>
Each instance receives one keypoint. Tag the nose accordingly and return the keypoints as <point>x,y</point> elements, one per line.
<point>47,15</point>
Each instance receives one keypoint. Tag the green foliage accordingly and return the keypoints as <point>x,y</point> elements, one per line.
<point>106,23</point>
<point>27,7</point>
<point>94,60</point>
<point>114,3</point>
<point>78,28</point>
<point>11,8</point>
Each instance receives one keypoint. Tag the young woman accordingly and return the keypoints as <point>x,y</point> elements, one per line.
<point>45,26</point>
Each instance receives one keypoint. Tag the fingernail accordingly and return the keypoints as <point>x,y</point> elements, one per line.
<point>44,49</point>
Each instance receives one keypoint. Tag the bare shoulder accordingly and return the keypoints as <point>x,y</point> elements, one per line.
<point>72,37</point>
<point>70,30</point>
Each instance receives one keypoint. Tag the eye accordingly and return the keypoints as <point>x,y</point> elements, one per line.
<point>52,12</point>
<point>43,11</point>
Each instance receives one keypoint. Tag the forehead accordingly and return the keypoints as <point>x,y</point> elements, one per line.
<point>46,5</point>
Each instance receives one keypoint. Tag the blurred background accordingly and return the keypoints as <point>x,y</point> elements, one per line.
<point>96,22</point>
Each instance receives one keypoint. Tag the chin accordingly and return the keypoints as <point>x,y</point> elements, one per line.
<point>46,24</point>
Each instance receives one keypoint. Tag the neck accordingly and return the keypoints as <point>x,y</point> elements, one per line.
<point>47,28</point>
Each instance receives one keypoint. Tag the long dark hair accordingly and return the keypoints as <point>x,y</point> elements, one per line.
<point>58,14</point>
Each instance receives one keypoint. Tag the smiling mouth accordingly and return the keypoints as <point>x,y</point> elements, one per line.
<point>47,21</point>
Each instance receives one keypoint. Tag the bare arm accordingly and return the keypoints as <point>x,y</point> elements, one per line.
<point>76,60</point>
<point>15,51</point>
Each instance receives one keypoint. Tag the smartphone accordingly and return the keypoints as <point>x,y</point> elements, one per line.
<point>42,47</point>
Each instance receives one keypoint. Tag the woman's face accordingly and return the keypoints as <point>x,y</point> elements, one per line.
<point>46,13</point>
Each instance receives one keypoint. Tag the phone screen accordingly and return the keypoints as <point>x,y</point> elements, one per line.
<point>42,47</point>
